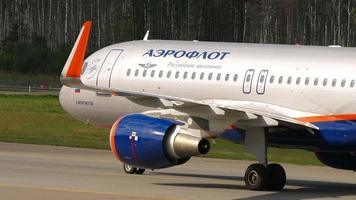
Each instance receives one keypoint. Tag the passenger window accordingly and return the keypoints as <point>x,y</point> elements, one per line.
<point>248,78</point>
<point>280,80</point>
<point>136,72</point>
<point>262,79</point>
<point>235,77</point>
<point>334,82</point>
<point>128,72</point>
<point>289,81</point>
<point>227,77</point>
<point>316,81</point>
<point>144,73</point>
<point>210,76</point>
<point>185,75</point>
<point>202,76</point>
<point>325,82</point>
<point>218,77</point>
<point>153,73</point>
<point>169,74</point>
<point>193,75</point>
<point>177,75</point>
<point>352,83</point>
<point>160,74</point>
<point>298,81</point>
<point>271,80</point>
<point>343,82</point>
<point>307,80</point>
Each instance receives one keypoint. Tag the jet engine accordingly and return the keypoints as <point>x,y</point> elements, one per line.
<point>153,143</point>
<point>345,161</point>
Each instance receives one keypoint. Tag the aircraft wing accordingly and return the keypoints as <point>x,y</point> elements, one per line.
<point>227,112</point>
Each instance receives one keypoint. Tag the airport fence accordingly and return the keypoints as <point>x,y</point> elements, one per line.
<point>29,87</point>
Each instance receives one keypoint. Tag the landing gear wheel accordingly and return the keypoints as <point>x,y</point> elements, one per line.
<point>256,177</point>
<point>140,171</point>
<point>129,169</point>
<point>277,177</point>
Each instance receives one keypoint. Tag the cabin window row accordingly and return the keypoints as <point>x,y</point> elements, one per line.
<point>185,75</point>
<point>308,81</point>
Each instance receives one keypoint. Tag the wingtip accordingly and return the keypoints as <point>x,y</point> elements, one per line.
<point>87,23</point>
<point>75,60</point>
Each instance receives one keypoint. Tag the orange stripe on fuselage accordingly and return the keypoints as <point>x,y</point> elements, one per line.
<point>328,118</point>
<point>232,126</point>
<point>76,63</point>
<point>112,139</point>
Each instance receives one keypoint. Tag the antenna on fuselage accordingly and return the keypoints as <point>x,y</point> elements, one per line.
<point>146,35</point>
<point>334,46</point>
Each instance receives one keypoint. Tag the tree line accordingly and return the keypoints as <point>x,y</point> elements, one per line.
<point>36,36</point>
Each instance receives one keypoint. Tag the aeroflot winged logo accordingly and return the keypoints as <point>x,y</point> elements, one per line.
<point>215,55</point>
<point>147,65</point>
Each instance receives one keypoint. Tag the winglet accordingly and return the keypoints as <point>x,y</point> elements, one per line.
<point>73,66</point>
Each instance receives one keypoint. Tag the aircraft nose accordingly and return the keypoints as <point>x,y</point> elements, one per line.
<point>63,97</point>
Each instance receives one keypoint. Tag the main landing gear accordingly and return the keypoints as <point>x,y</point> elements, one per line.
<point>259,177</point>
<point>262,176</point>
<point>132,170</point>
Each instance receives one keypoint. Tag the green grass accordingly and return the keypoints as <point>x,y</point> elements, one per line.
<point>41,120</point>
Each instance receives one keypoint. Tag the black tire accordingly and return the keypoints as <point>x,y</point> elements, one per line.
<point>129,169</point>
<point>256,177</point>
<point>277,177</point>
<point>140,171</point>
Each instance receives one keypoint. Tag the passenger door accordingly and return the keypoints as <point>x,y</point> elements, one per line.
<point>104,76</point>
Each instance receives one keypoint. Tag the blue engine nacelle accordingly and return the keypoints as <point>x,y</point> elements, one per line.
<point>153,143</point>
<point>345,161</point>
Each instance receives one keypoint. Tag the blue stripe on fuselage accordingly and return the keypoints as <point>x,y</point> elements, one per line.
<point>332,136</point>
<point>338,135</point>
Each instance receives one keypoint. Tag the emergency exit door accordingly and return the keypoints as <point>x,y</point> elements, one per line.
<point>248,81</point>
<point>261,82</point>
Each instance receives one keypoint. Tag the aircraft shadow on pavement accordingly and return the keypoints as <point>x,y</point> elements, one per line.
<point>307,189</point>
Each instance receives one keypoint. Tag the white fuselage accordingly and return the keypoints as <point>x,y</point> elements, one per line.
<point>307,81</point>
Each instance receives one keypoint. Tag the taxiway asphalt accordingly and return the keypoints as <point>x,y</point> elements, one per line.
<point>48,172</point>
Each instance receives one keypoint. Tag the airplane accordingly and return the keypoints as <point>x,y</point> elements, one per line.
<point>165,100</point>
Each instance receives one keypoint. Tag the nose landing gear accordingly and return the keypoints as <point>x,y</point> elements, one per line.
<point>132,170</point>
